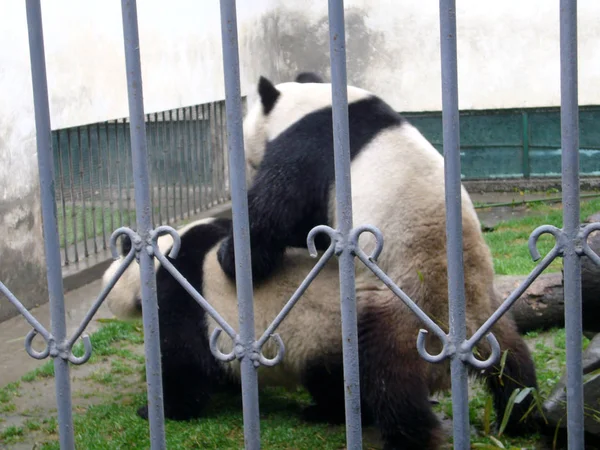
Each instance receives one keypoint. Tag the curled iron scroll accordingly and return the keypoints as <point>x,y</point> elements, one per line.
<point>270,362</point>
<point>355,236</point>
<point>163,230</point>
<point>87,347</point>
<point>215,350</point>
<point>29,349</point>
<point>539,231</point>
<point>586,250</point>
<point>467,355</point>
<point>133,236</point>
<point>443,354</point>
<point>334,235</point>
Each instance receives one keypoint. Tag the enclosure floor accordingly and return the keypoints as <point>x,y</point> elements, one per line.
<point>14,360</point>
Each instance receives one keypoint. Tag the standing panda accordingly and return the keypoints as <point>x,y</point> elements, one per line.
<point>397,180</point>
<point>395,382</point>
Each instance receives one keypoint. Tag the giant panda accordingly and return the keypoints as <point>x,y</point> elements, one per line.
<point>395,383</point>
<point>397,180</point>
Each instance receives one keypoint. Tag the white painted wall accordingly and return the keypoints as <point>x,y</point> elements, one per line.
<point>508,57</point>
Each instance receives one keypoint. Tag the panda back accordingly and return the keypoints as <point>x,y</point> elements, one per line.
<point>311,330</point>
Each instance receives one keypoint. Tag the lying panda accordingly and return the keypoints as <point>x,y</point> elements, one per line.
<point>395,382</point>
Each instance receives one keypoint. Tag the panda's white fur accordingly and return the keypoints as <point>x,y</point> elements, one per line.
<point>124,298</point>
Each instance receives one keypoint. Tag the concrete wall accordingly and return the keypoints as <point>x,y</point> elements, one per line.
<point>22,267</point>
<point>508,57</point>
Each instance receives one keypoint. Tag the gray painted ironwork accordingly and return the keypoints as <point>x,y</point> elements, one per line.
<point>241,227</point>
<point>50,228</point>
<point>569,118</point>
<point>570,242</point>
<point>142,240</point>
<point>343,197</point>
<point>454,238</point>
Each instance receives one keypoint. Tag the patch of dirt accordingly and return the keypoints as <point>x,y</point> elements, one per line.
<point>35,401</point>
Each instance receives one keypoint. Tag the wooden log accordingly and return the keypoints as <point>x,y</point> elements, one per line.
<point>541,306</point>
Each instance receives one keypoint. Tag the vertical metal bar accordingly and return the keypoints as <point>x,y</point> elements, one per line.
<point>82,193</point>
<point>157,153</point>
<point>179,150</point>
<point>194,155</point>
<point>163,147</point>
<point>172,157</point>
<point>202,153</point>
<point>62,197</point>
<point>223,153</point>
<point>101,182</point>
<point>241,228</point>
<point>72,188</point>
<point>185,142</point>
<point>191,132</point>
<point>211,142</point>
<point>50,229</point>
<point>218,153</point>
<point>218,149</point>
<point>111,202</point>
<point>166,160</point>
<point>343,188</point>
<point>526,163</point>
<point>151,157</point>
<point>92,194</point>
<point>128,162</point>
<point>144,223</point>
<point>569,118</point>
<point>454,238</point>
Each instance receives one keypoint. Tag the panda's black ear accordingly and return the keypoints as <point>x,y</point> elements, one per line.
<point>125,245</point>
<point>268,94</point>
<point>308,77</point>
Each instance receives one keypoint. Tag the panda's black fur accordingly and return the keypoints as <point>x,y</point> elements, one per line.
<point>308,77</point>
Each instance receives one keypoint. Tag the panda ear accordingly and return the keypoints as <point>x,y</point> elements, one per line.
<point>308,77</point>
<point>268,94</point>
<point>125,245</point>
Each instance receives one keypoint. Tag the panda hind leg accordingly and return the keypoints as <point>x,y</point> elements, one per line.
<point>393,382</point>
<point>324,380</point>
<point>186,394</point>
<point>518,371</point>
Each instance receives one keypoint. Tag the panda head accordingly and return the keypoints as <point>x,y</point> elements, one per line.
<point>125,298</point>
<point>280,106</point>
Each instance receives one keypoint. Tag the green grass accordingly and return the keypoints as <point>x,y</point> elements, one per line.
<point>114,424</point>
<point>508,241</point>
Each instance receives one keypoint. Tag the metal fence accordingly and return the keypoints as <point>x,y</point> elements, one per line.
<point>570,241</point>
<point>187,165</point>
<point>515,143</point>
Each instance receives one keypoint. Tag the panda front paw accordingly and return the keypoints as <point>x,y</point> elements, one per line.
<point>321,414</point>
<point>226,257</point>
<point>143,412</point>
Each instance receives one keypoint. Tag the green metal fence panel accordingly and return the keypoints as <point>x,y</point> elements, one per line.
<point>515,143</point>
